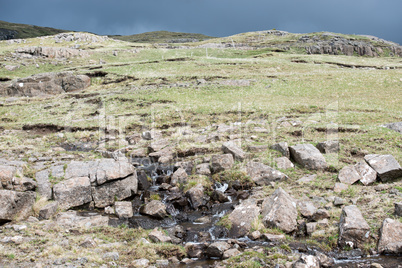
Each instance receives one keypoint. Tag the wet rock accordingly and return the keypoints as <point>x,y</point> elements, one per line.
<point>348,175</point>
<point>106,194</point>
<point>307,261</point>
<point>73,192</point>
<point>386,166</point>
<point>15,205</point>
<point>164,156</point>
<point>390,237</point>
<point>273,237</point>
<point>283,148</point>
<point>284,163</point>
<point>398,209</point>
<point>124,209</point>
<point>262,174</point>
<point>221,162</point>
<point>71,219</point>
<point>143,182</point>
<point>325,261</point>
<point>154,209</point>
<point>230,253</point>
<point>367,174</point>
<point>308,156</point>
<point>48,211</point>
<point>255,235</point>
<point>353,228</point>
<point>159,237</point>
<point>243,217</point>
<point>231,148</point>
<point>203,169</point>
<point>328,147</point>
<point>179,176</point>
<point>216,249</point>
<point>279,211</point>
<point>219,196</point>
<point>196,196</point>
<point>195,250</point>
<point>306,208</point>
<point>46,84</point>
<point>339,187</point>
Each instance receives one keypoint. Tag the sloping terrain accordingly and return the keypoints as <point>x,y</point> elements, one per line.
<point>176,152</point>
<point>17,31</point>
<point>162,37</point>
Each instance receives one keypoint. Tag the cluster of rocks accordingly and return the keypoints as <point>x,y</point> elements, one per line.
<point>79,37</point>
<point>45,84</point>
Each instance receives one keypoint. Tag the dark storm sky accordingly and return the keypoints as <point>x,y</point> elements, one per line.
<point>382,18</point>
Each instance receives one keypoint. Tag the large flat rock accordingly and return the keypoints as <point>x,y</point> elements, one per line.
<point>386,166</point>
<point>308,156</point>
<point>73,192</point>
<point>15,205</point>
<point>353,228</point>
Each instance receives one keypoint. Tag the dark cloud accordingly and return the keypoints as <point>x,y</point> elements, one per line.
<point>211,17</point>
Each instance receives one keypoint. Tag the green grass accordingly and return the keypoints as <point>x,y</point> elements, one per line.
<point>162,37</point>
<point>29,31</point>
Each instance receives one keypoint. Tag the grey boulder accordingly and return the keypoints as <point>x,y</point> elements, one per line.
<point>386,166</point>
<point>308,156</point>
<point>353,228</point>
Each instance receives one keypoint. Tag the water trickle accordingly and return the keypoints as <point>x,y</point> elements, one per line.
<point>220,187</point>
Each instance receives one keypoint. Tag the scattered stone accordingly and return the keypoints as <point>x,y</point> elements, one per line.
<point>255,235</point>
<point>262,174</point>
<point>203,169</point>
<point>367,174</point>
<point>231,148</point>
<point>88,243</point>
<point>284,163</point>
<point>339,187</point>
<point>306,209</point>
<point>274,237</point>
<point>221,162</point>
<point>73,192</point>
<point>48,211</point>
<point>114,256</point>
<point>307,261</point>
<point>348,175</point>
<point>70,219</point>
<point>386,166</point>
<point>15,205</point>
<point>257,148</point>
<point>311,227</point>
<point>398,209</point>
<point>339,201</point>
<point>320,214</point>
<point>140,263</point>
<point>279,210</point>
<point>179,176</point>
<point>283,148</point>
<point>308,156</point>
<point>325,261</point>
<point>243,217</point>
<point>353,228</point>
<point>395,126</point>
<point>124,209</point>
<point>328,147</point>
<point>196,196</point>
<point>230,253</point>
<point>158,145</point>
<point>155,209</point>
<point>390,237</point>
<point>219,196</point>
<point>162,263</point>
<point>216,249</point>
<point>159,237</point>
<point>307,178</point>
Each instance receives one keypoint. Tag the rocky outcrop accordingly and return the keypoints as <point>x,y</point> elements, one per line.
<point>71,219</point>
<point>353,228</point>
<point>154,209</point>
<point>308,156</point>
<point>390,237</point>
<point>51,52</point>
<point>216,249</point>
<point>385,165</point>
<point>15,205</point>
<point>123,209</point>
<point>243,217</point>
<point>279,211</point>
<point>79,37</point>
<point>45,84</point>
<point>262,174</point>
<point>221,162</point>
<point>196,196</point>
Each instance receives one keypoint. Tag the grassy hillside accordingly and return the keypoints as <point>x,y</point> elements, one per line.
<point>27,31</point>
<point>162,37</point>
